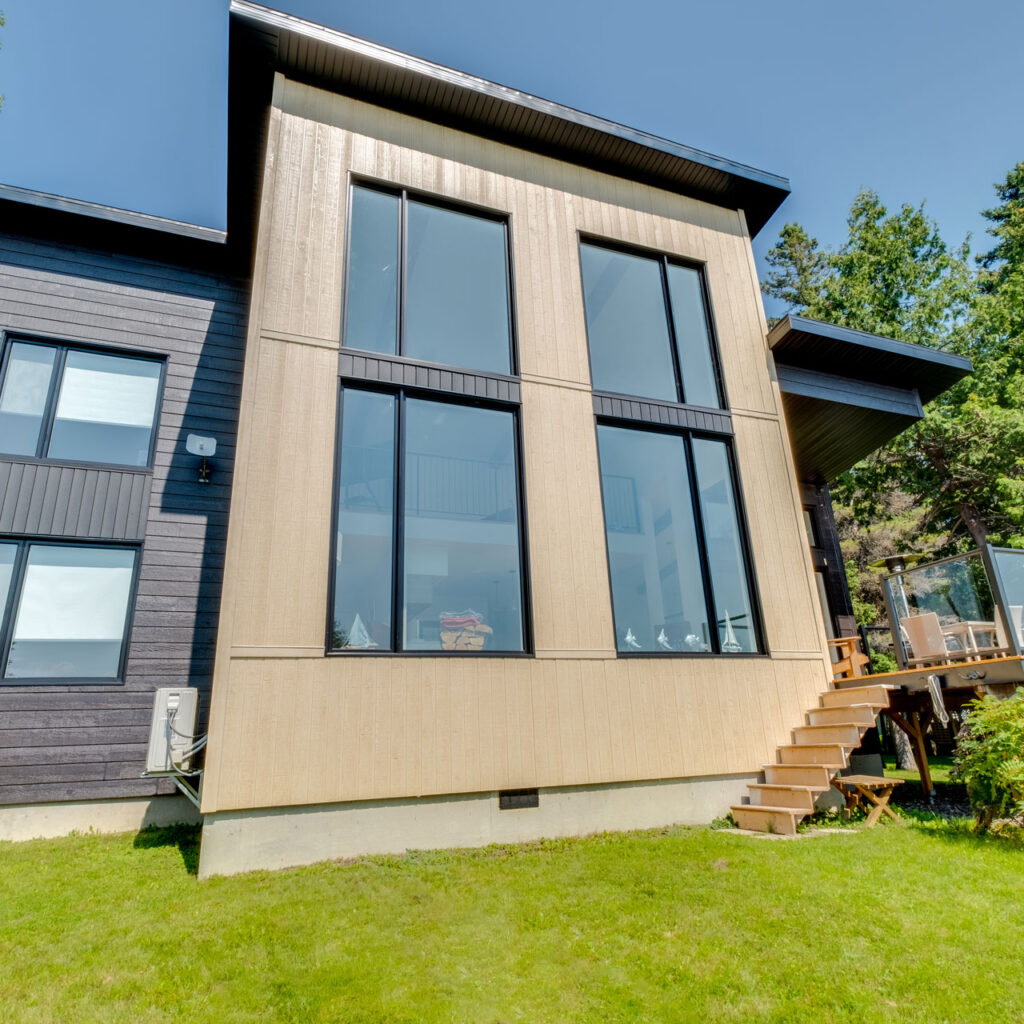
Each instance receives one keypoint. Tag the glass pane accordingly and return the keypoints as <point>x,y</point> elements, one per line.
<point>371,311</point>
<point>7,556</point>
<point>106,409</point>
<point>653,555</point>
<point>461,530</point>
<point>693,338</point>
<point>456,306</point>
<point>23,398</point>
<point>627,326</point>
<point>71,616</point>
<point>1010,566</point>
<point>363,568</point>
<point>946,611</point>
<point>735,620</point>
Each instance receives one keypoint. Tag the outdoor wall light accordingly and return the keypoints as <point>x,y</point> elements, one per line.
<point>205,448</point>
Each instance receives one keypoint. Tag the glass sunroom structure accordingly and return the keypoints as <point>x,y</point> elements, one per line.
<point>959,610</point>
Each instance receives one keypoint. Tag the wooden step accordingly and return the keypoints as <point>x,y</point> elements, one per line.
<point>833,755</point>
<point>811,735</point>
<point>818,776</point>
<point>762,818</point>
<point>800,798</point>
<point>863,715</point>
<point>876,695</point>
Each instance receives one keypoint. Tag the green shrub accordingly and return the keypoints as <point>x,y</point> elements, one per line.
<point>882,662</point>
<point>989,757</point>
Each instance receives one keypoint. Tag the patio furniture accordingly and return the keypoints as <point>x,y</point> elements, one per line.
<point>860,790</point>
<point>850,659</point>
<point>926,639</point>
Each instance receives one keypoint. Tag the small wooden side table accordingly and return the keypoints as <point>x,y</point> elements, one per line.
<point>861,790</point>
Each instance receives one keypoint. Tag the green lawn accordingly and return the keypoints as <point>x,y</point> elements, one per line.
<point>907,922</point>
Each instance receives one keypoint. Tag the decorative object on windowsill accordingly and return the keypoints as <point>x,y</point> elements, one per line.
<point>663,641</point>
<point>730,644</point>
<point>463,631</point>
<point>205,448</point>
<point>631,640</point>
<point>358,635</point>
<point>695,643</point>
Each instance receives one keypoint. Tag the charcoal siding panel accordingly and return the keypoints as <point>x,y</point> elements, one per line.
<point>89,742</point>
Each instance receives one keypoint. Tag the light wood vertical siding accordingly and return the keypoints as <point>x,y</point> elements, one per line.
<point>291,726</point>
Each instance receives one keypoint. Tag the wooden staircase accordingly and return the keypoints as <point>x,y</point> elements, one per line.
<point>806,766</point>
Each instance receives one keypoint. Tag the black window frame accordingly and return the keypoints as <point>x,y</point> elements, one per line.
<point>404,195</point>
<point>688,436</point>
<point>664,260</point>
<point>7,612</point>
<point>400,392</point>
<point>8,339</point>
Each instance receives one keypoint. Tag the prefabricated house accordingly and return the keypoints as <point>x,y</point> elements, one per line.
<point>528,530</point>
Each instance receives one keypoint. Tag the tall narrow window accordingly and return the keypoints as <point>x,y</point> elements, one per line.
<point>69,618</point>
<point>441,568</point>
<point>648,327</point>
<point>427,281</point>
<point>76,404</point>
<point>678,570</point>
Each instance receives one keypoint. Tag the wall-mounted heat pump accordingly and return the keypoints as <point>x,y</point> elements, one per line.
<point>172,732</point>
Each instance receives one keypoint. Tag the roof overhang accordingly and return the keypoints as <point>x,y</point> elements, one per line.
<point>323,56</point>
<point>846,393</point>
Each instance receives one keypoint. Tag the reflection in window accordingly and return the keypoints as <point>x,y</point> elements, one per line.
<point>653,555</point>
<point>462,581</point>
<point>8,552</point>
<point>459,575</point>
<point>23,397</point>
<point>647,327</point>
<point>436,292</point>
<point>365,527</point>
<point>104,411</point>
<point>726,563</point>
<point>71,614</point>
<point>661,592</point>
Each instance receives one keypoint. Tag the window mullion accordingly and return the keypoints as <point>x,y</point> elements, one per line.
<point>673,341</point>
<point>398,539</point>
<point>702,544</point>
<point>403,244</point>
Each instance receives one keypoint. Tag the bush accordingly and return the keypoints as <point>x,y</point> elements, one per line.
<point>989,757</point>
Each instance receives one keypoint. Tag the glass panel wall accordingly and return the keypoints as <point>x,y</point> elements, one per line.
<point>364,543</point>
<point>72,612</point>
<point>1009,564</point>
<point>459,573</point>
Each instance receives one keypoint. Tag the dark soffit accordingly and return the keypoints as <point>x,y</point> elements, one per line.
<point>846,393</point>
<point>366,70</point>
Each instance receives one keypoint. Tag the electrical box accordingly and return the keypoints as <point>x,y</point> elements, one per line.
<point>172,732</point>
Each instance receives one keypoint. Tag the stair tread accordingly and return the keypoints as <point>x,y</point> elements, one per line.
<point>806,764</point>
<point>796,812</point>
<point>783,785</point>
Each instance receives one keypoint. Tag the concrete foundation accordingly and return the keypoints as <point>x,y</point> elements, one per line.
<point>286,837</point>
<point>46,821</point>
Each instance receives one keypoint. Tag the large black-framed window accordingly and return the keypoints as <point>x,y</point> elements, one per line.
<point>428,540</point>
<point>428,280</point>
<point>72,403</point>
<point>678,556</point>
<point>66,610</point>
<point>649,326</point>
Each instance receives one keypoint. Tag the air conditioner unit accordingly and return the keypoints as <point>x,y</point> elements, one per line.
<point>172,732</point>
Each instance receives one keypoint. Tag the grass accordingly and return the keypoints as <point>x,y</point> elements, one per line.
<point>905,922</point>
<point>938,765</point>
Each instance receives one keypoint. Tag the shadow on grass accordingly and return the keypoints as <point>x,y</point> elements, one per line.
<point>184,837</point>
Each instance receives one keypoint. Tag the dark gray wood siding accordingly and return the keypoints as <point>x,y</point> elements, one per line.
<point>83,742</point>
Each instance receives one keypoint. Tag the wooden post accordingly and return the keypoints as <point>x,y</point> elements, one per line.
<point>915,727</point>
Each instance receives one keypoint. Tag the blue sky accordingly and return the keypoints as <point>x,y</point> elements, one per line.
<point>121,101</point>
